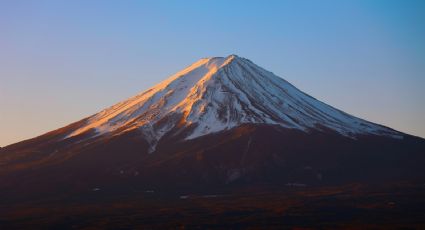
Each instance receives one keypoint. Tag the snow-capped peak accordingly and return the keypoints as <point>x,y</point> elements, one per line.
<point>220,93</point>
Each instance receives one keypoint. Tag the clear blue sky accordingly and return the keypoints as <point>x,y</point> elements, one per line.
<point>61,61</point>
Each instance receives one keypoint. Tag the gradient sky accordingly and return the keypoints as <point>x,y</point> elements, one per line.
<point>61,61</point>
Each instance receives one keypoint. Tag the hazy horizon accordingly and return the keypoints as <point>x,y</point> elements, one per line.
<point>63,61</point>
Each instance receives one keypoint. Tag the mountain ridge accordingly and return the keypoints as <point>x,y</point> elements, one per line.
<point>219,93</point>
<point>223,143</point>
<point>253,143</point>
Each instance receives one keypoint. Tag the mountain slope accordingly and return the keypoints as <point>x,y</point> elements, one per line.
<point>221,144</point>
<point>220,122</point>
<point>217,94</point>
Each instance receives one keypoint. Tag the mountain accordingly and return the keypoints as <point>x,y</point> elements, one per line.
<point>221,124</point>
<point>218,94</point>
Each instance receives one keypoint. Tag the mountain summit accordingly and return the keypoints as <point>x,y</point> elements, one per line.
<point>220,93</point>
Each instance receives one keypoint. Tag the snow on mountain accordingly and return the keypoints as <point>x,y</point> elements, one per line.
<point>220,93</point>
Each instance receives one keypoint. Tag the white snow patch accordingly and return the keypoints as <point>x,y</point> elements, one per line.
<point>217,94</point>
